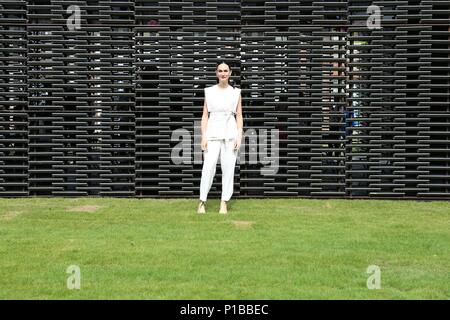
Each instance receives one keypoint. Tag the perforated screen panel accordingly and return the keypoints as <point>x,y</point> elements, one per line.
<point>333,105</point>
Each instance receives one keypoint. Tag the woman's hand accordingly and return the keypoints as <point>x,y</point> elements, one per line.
<point>237,143</point>
<point>238,140</point>
<point>204,143</point>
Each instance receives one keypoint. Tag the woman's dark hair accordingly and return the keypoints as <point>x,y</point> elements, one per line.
<point>218,63</point>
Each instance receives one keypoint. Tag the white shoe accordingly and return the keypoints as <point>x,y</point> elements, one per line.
<point>201,207</point>
<point>223,207</point>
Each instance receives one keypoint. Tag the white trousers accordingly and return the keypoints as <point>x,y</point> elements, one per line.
<point>228,156</point>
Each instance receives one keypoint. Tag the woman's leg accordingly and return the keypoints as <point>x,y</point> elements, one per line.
<point>228,158</point>
<point>211,156</point>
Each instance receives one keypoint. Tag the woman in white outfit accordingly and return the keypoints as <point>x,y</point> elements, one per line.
<point>221,135</point>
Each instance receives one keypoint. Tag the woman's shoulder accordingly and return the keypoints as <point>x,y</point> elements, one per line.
<point>210,87</point>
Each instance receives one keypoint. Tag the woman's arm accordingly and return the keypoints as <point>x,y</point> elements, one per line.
<point>204,122</point>
<point>239,119</point>
<point>240,124</point>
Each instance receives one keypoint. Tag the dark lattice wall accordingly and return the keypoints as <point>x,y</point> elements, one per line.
<point>360,112</point>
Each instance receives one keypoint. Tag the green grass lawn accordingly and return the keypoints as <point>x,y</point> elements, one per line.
<point>263,249</point>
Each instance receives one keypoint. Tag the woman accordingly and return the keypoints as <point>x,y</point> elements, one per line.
<point>221,134</point>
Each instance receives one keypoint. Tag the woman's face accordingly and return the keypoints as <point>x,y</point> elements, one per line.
<point>223,73</point>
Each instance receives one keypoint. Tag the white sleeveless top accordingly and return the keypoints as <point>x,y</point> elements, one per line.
<point>222,105</point>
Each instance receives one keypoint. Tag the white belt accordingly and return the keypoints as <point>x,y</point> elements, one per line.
<point>226,113</point>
